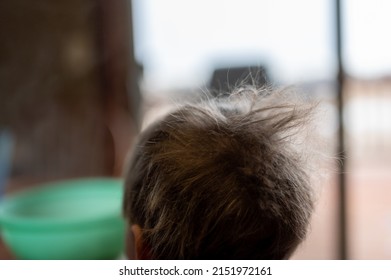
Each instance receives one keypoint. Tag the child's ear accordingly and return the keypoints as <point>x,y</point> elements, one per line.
<point>141,251</point>
<point>130,244</point>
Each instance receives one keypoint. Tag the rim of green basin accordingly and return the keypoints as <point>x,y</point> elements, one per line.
<point>99,200</point>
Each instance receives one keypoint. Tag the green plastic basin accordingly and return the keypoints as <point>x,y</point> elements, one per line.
<point>75,219</point>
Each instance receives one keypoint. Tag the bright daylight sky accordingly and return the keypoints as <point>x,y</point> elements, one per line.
<point>180,41</point>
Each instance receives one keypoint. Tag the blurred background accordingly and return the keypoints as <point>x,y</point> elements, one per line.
<point>80,78</point>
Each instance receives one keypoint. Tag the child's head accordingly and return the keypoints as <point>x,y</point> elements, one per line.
<point>220,180</point>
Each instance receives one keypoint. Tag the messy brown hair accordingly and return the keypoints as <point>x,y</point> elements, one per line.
<point>222,179</point>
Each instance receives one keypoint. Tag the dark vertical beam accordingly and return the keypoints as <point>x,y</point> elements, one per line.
<point>136,70</point>
<point>341,135</point>
<point>121,96</point>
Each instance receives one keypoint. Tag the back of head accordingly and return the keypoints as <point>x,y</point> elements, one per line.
<point>222,180</point>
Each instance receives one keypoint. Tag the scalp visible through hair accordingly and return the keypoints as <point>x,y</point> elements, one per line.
<point>224,178</point>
